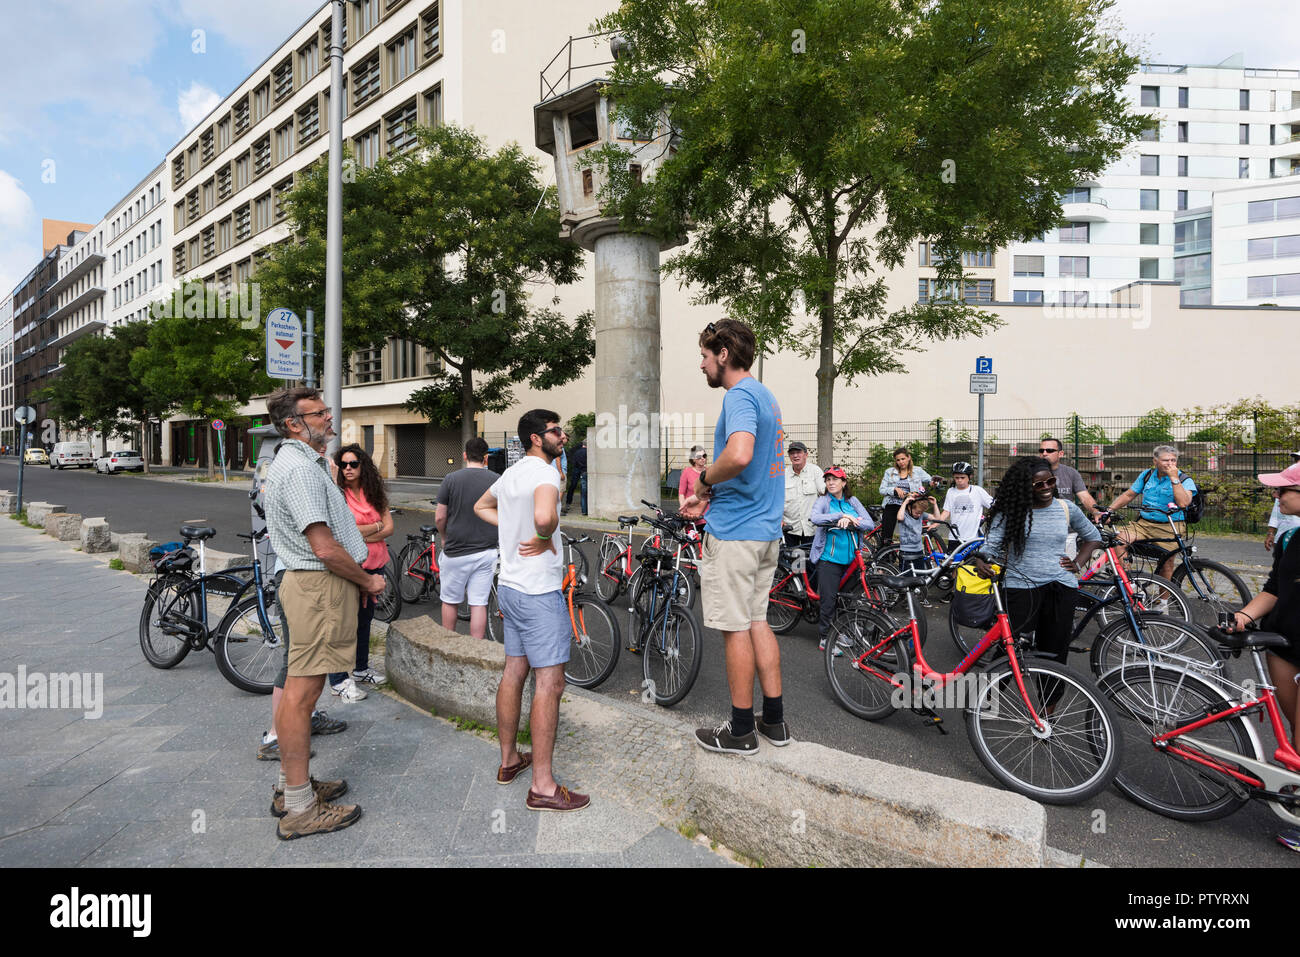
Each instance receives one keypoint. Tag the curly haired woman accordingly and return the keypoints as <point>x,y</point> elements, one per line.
<point>1028,527</point>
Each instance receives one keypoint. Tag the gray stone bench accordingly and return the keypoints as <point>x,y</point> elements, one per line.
<point>133,549</point>
<point>65,526</point>
<point>95,535</point>
<point>37,512</point>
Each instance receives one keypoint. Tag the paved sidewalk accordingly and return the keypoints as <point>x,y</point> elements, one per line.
<point>167,775</point>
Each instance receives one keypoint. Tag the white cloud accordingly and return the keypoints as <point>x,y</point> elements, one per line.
<point>17,227</point>
<point>195,103</point>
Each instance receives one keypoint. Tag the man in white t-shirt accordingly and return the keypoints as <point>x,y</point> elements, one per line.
<point>524,505</point>
<point>964,502</point>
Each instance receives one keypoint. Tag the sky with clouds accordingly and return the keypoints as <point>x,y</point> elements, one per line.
<point>98,90</point>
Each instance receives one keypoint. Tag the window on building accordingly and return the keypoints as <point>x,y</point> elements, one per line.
<point>261,102</point>
<point>367,148</point>
<point>1182,97</point>
<point>241,172</point>
<point>1148,268</point>
<point>178,171</point>
<point>209,195</point>
<point>241,116</point>
<point>282,77</point>
<point>431,32</point>
<point>365,15</point>
<point>1149,199</point>
<point>433,106</point>
<point>368,365</point>
<point>308,121</point>
<point>207,146</point>
<point>192,254</point>
<point>243,228</point>
<point>191,162</point>
<point>262,213</point>
<point>978,290</point>
<point>1273,247</point>
<point>365,81</point>
<point>243,270</point>
<point>1150,165</point>
<point>223,235</point>
<point>1080,194</point>
<point>399,129</point>
<point>405,359</point>
<point>1262,287</point>
<point>224,183</point>
<point>1243,132</point>
<point>1192,235</point>
<point>1150,96</point>
<point>401,57</point>
<point>262,155</point>
<point>979,259</point>
<point>1151,133</point>
<point>1076,266</point>
<point>1027,295</point>
<point>1073,233</point>
<point>1182,199</point>
<point>177,226</point>
<point>1243,167</point>
<point>309,60</point>
<point>209,243</point>
<point>192,206</point>
<point>284,142</point>
<point>582,128</point>
<point>281,188</point>
<point>1149,234</point>
<point>1182,166</point>
<point>1243,99</point>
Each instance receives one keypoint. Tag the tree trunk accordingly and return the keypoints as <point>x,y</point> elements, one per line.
<point>467,427</point>
<point>145,448</point>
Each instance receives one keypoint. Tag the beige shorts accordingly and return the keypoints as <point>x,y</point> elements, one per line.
<point>1143,529</point>
<point>321,611</point>
<point>735,579</point>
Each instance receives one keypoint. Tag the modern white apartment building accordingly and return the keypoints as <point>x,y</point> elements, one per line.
<point>8,436</point>
<point>137,247</point>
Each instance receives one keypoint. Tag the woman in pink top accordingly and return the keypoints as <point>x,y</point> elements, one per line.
<point>363,488</point>
<point>690,474</point>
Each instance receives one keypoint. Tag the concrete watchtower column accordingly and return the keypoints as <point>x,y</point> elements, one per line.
<point>623,454</point>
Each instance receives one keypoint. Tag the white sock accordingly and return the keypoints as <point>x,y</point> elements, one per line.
<point>298,799</point>
<point>268,737</point>
<point>279,783</point>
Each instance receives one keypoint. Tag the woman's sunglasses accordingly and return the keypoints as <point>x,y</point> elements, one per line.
<point>350,464</point>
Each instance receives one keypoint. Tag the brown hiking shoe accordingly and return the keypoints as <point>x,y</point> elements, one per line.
<point>324,790</point>
<point>320,818</point>
<point>562,800</point>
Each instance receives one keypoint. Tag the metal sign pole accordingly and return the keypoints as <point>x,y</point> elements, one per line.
<point>979,480</point>
<point>221,450</point>
<point>333,361</point>
<point>22,454</point>
<point>309,352</point>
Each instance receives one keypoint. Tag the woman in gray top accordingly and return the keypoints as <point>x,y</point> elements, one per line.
<point>1028,527</point>
<point>903,478</point>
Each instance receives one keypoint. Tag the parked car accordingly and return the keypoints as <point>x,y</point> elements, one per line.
<point>36,456</point>
<point>68,454</point>
<point>119,461</point>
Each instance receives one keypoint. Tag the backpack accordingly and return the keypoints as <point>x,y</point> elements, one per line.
<point>1194,509</point>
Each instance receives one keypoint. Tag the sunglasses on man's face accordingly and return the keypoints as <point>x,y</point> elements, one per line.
<point>1046,451</point>
<point>555,429</point>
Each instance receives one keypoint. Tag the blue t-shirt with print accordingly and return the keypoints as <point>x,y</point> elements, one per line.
<point>749,506</point>
<point>1157,493</point>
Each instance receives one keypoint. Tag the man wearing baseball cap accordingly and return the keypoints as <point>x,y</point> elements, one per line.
<point>1279,524</point>
<point>803,486</point>
<point>1277,609</point>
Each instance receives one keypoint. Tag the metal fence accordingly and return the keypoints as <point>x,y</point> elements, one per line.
<point>1222,454</point>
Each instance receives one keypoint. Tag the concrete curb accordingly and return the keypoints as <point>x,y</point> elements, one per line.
<point>852,811</point>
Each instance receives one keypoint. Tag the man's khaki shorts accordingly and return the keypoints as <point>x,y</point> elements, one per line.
<point>735,578</point>
<point>320,610</point>
<point>1143,529</point>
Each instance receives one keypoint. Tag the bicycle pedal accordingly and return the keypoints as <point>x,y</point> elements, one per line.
<point>1081,649</point>
<point>931,717</point>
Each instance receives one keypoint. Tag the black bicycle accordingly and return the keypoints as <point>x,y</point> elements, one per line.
<point>663,630</point>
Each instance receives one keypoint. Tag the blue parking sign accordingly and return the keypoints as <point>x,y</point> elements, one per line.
<point>983,365</point>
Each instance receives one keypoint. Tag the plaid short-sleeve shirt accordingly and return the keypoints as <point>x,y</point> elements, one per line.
<point>299,492</point>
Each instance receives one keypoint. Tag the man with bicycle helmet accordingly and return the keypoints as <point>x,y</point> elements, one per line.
<point>964,502</point>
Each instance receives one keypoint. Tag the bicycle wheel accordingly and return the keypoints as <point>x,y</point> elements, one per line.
<point>1119,645</point>
<point>496,624</point>
<point>965,637</point>
<point>671,658</point>
<point>166,596</point>
<point>1157,595</point>
<point>1153,700</point>
<point>415,577</point>
<point>389,603</point>
<point>249,653</point>
<point>864,665</point>
<point>609,576</point>
<point>594,652</point>
<point>1073,757</point>
<point>784,602</point>
<point>1225,590</point>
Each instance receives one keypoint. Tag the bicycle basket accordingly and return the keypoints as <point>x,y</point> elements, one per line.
<point>972,600</point>
<point>180,559</point>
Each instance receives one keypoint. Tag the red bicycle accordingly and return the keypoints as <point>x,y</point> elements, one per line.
<point>1193,755</point>
<point>1038,726</point>
<point>616,568</point>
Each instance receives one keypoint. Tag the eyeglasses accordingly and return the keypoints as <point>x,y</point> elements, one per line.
<point>1045,451</point>
<point>554,429</point>
<point>304,415</point>
<point>350,464</point>
<point>1046,483</point>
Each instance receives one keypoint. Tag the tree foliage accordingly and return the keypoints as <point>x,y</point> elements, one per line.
<point>816,142</point>
<point>453,247</point>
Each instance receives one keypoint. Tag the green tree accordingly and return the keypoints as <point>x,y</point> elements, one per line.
<point>578,426</point>
<point>442,245</point>
<point>201,361</point>
<point>816,142</point>
<point>1152,427</point>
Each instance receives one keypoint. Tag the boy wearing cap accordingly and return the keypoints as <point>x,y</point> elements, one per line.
<point>1277,609</point>
<point>964,503</point>
<point>803,486</point>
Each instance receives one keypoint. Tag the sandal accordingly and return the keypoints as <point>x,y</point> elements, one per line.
<point>507,774</point>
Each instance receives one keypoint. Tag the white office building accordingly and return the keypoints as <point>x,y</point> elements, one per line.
<point>8,436</point>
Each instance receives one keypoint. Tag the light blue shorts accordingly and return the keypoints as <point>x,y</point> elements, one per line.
<point>536,626</point>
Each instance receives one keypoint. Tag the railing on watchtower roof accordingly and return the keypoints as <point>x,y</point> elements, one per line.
<point>557,77</point>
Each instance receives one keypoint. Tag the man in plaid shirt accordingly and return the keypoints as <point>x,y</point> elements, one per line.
<point>318,544</point>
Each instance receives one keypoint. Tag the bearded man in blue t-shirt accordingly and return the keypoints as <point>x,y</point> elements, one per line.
<point>745,490</point>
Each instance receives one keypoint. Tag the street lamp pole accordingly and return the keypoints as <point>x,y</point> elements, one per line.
<point>333,359</point>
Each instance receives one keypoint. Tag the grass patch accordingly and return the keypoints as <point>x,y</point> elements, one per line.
<point>468,724</point>
<point>688,830</point>
<point>116,565</point>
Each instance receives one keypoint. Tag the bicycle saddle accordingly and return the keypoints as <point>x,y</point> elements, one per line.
<point>897,581</point>
<point>426,529</point>
<point>651,555</point>
<point>197,532</point>
<point>629,519</point>
<point>1249,639</point>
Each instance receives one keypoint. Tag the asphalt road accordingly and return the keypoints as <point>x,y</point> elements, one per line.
<point>1122,834</point>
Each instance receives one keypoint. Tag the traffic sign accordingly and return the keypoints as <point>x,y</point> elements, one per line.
<point>984,382</point>
<point>283,345</point>
<point>218,424</point>
<point>983,366</point>
<point>24,414</point>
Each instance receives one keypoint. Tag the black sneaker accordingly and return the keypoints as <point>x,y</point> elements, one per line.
<point>777,734</point>
<point>721,739</point>
<point>322,723</point>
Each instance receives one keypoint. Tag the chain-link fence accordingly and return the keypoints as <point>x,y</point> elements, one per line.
<point>1223,455</point>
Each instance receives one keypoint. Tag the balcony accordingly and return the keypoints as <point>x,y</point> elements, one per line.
<point>1093,211</point>
<point>80,331</point>
<point>72,305</point>
<point>75,273</point>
